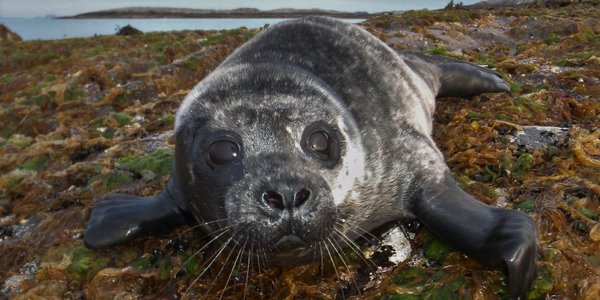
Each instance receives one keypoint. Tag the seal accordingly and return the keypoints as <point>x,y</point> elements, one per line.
<point>310,133</point>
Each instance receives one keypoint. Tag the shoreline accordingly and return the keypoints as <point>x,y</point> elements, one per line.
<point>243,13</point>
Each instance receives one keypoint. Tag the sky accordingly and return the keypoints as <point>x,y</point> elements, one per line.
<point>42,8</point>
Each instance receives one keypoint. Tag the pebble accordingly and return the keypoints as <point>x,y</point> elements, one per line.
<point>595,233</point>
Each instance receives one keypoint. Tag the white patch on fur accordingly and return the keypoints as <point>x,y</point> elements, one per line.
<point>352,168</point>
<point>191,172</point>
<point>296,136</point>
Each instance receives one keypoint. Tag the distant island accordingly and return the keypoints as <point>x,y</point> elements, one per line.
<point>165,12</point>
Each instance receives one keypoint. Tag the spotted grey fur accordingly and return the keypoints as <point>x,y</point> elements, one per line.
<point>375,107</point>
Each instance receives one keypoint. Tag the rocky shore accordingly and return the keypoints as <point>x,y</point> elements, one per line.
<point>88,116</point>
<point>7,35</point>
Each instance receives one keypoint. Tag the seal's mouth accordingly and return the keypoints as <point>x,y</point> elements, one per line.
<point>290,242</point>
<point>291,249</point>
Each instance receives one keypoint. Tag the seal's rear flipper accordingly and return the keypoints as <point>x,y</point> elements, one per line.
<point>459,78</point>
<point>492,235</point>
<point>119,218</point>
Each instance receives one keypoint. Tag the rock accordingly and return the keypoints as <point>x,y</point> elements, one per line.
<point>128,30</point>
<point>535,137</point>
<point>500,3</point>
<point>6,35</point>
<point>513,3</point>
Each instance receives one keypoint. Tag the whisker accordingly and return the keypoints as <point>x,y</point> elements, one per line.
<point>260,269</point>
<point>207,267</point>
<point>258,261</point>
<point>248,269</point>
<point>222,268</point>
<point>268,264</point>
<point>353,228</point>
<point>224,230</point>
<point>341,255</point>
<point>232,268</point>
<point>201,224</point>
<point>350,243</point>
<point>334,267</point>
<point>322,263</point>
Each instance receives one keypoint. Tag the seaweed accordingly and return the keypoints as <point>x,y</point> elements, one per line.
<point>85,117</point>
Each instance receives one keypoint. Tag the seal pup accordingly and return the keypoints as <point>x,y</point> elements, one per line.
<point>311,132</point>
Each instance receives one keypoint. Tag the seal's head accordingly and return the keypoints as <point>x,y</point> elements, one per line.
<point>270,149</point>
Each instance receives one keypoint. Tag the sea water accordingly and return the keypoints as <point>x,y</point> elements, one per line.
<point>49,29</point>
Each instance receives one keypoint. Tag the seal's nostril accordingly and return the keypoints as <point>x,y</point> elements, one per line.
<point>301,197</point>
<point>273,199</point>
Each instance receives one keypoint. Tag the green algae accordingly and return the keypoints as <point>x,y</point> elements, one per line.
<point>552,151</point>
<point>515,86</point>
<point>402,297</point>
<point>485,59</point>
<point>523,164</point>
<point>73,93</point>
<point>552,38</point>
<point>473,115</point>
<point>8,78</point>
<point>81,262</point>
<point>13,180</point>
<point>542,284</point>
<point>437,51</point>
<point>462,180</point>
<point>114,180</point>
<point>167,119</point>
<point>526,206</point>
<point>122,118</point>
<point>503,117</point>
<point>191,264</point>
<point>34,164</point>
<point>410,276</point>
<point>220,37</point>
<point>438,285</point>
<point>141,263</point>
<point>159,162</point>
<point>19,140</point>
<point>446,291</point>
<point>164,268</point>
<point>588,213</point>
<point>435,249</point>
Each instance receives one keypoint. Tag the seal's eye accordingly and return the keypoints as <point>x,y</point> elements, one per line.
<point>320,141</point>
<point>223,152</point>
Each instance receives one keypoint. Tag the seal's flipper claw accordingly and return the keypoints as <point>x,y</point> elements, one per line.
<point>120,218</point>
<point>515,238</point>
<point>492,235</point>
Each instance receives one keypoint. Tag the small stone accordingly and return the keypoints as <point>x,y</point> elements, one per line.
<point>536,137</point>
<point>595,233</point>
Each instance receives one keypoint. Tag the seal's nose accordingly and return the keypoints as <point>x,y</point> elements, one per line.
<point>273,199</point>
<point>300,197</point>
<point>278,201</point>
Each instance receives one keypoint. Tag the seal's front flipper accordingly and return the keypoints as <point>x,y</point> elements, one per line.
<point>492,235</point>
<point>459,78</point>
<point>119,218</point>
